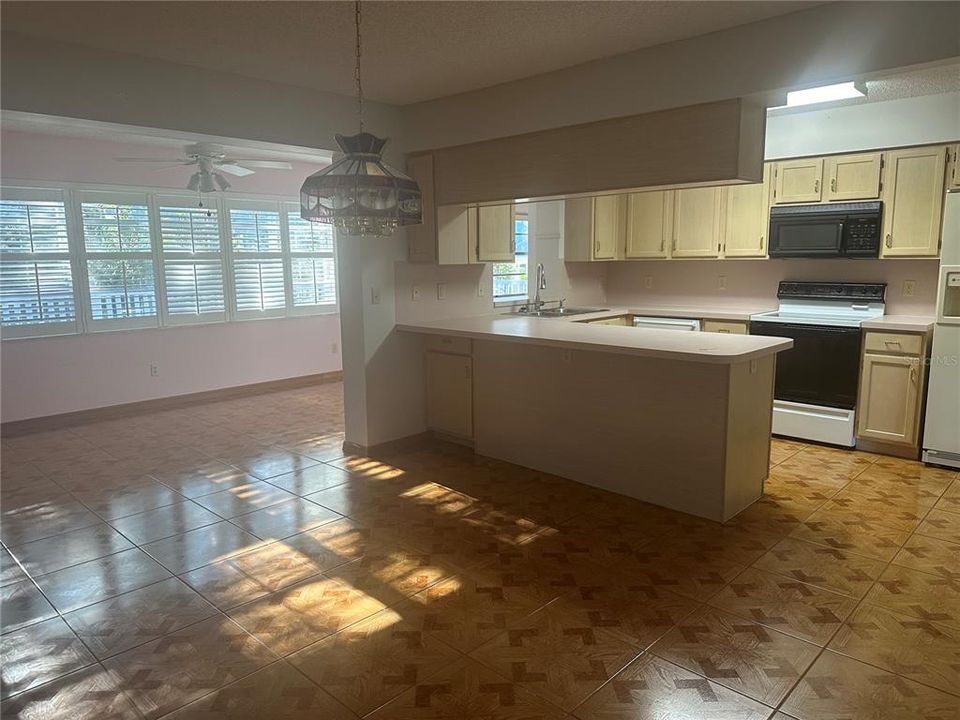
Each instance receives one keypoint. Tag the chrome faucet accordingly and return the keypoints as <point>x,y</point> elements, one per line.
<point>541,285</point>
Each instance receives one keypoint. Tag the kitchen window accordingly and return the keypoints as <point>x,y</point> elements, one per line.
<point>78,258</point>
<point>510,279</point>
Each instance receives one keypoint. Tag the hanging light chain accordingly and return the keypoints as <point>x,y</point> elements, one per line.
<point>357,68</point>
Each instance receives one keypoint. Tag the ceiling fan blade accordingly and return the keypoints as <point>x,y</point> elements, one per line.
<point>237,170</point>
<point>178,160</point>
<point>271,164</point>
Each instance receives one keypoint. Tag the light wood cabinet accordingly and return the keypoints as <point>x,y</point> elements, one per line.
<point>730,327</point>
<point>594,228</point>
<point>649,224</point>
<point>448,234</point>
<point>953,167</point>
<point>798,181</point>
<point>889,403</point>
<point>913,190</point>
<point>853,177</point>
<point>495,238</point>
<point>746,218</point>
<point>609,226</point>
<point>696,222</point>
<point>450,394</point>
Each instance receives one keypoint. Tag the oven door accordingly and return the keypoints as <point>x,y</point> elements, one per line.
<point>806,236</point>
<point>822,367</point>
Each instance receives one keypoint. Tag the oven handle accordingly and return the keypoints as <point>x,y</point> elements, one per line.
<point>803,326</point>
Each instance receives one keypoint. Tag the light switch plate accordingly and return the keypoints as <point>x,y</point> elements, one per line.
<point>721,282</point>
<point>375,296</point>
<point>441,291</point>
<point>481,290</point>
<point>414,293</point>
<point>648,281</point>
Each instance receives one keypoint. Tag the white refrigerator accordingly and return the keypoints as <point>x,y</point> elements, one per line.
<point>941,436</point>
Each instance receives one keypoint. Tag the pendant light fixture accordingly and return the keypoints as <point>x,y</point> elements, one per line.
<point>359,193</point>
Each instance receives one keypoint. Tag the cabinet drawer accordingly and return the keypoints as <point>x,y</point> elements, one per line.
<point>731,327</point>
<point>896,343</point>
<point>448,344</point>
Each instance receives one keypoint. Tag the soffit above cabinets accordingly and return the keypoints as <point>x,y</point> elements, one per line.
<point>709,144</point>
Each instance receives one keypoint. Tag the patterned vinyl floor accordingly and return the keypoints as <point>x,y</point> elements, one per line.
<point>227,561</point>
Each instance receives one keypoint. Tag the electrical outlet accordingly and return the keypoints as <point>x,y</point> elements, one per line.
<point>441,291</point>
<point>154,370</point>
<point>374,296</point>
<point>909,288</point>
<point>415,293</point>
<point>648,281</point>
<point>334,348</point>
<point>721,282</point>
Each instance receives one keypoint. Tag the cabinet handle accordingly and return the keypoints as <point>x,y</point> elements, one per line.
<point>892,343</point>
<point>596,247</point>
<point>913,374</point>
<point>833,184</point>
<point>889,241</point>
<point>816,186</point>
<point>761,242</point>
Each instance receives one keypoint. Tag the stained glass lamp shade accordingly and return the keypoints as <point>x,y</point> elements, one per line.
<point>359,193</point>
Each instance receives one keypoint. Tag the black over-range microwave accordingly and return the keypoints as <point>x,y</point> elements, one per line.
<point>826,231</point>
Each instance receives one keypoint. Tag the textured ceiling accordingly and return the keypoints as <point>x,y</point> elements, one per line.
<point>413,51</point>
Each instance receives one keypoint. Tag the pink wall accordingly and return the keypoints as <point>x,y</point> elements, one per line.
<point>48,376</point>
<point>690,282</point>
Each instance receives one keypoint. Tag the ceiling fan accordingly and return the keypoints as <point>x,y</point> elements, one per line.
<point>212,161</point>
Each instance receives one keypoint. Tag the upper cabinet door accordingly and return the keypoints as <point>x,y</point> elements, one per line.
<point>953,167</point>
<point>853,177</point>
<point>696,222</point>
<point>422,238</point>
<point>745,223</point>
<point>798,181</point>
<point>649,224</point>
<point>913,190</point>
<point>495,239</point>
<point>609,224</point>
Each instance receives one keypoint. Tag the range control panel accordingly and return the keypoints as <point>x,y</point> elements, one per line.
<point>803,290</point>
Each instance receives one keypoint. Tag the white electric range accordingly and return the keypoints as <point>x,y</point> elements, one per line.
<point>815,393</point>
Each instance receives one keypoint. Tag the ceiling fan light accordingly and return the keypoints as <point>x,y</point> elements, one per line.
<point>359,193</point>
<point>221,181</point>
<point>194,181</point>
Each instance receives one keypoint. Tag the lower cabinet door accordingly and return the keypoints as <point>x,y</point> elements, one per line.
<point>888,408</point>
<point>450,394</point>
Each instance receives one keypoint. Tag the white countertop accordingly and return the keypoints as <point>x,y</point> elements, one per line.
<point>901,323</point>
<point>700,347</point>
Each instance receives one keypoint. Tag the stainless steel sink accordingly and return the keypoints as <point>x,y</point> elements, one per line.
<point>557,312</point>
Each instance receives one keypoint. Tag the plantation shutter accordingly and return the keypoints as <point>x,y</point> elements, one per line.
<point>119,260</point>
<point>312,264</point>
<point>192,262</point>
<point>257,244</point>
<point>36,284</point>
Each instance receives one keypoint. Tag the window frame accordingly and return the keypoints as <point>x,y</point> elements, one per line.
<point>73,194</point>
<point>504,300</point>
<point>24,193</point>
<point>161,200</point>
<point>302,310</point>
<point>117,198</point>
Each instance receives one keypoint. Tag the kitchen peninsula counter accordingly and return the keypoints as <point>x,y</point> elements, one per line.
<point>678,419</point>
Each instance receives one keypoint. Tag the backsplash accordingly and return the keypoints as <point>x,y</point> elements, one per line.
<point>689,282</point>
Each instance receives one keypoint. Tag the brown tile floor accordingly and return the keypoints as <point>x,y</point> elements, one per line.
<point>226,561</point>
